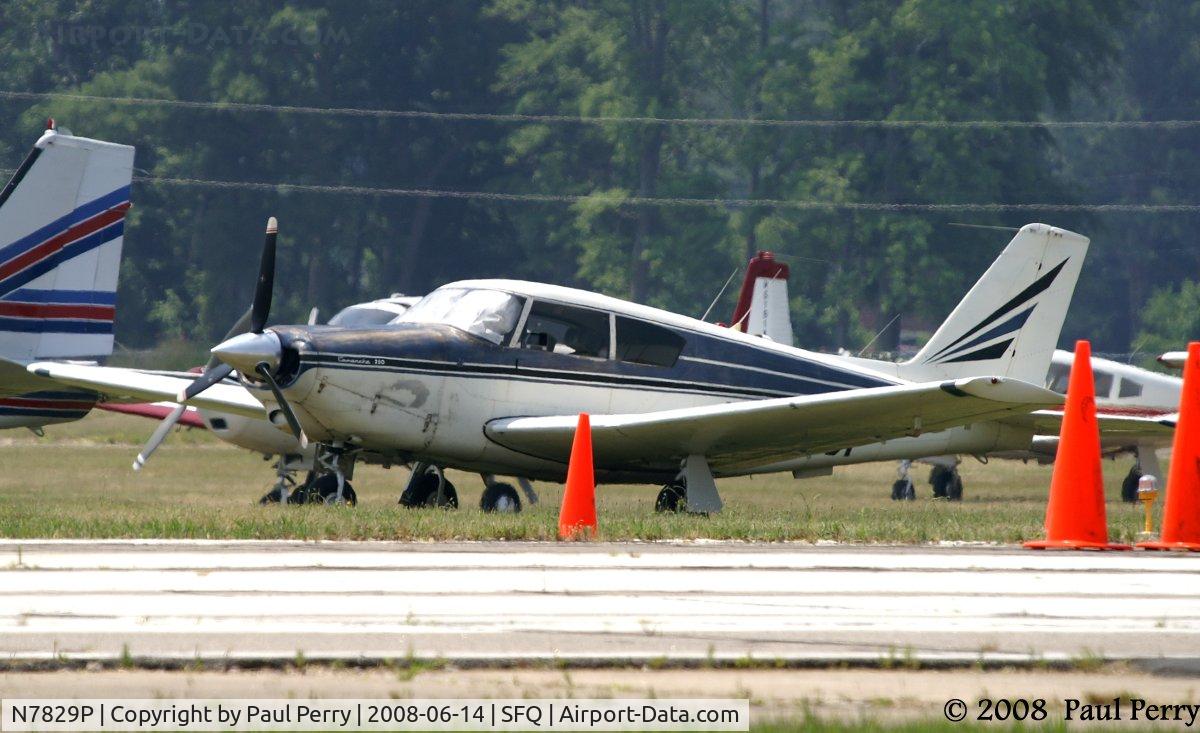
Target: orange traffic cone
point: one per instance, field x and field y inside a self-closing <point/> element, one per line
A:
<point x="577" y="518"/>
<point x="1075" y="514"/>
<point x="1181" y="513"/>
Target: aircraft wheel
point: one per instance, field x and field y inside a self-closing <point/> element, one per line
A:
<point x="323" y="490"/>
<point x="903" y="490"/>
<point x="274" y="496"/>
<point x="672" y="498"/>
<point x="423" y="492"/>
<point x="941" y="478"/>
<point x="954" y="489"/>
<point x="502" y="498"/>
<point x="1129" y="485"/>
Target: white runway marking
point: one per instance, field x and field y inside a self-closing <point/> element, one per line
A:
<point x="636" y="601"/>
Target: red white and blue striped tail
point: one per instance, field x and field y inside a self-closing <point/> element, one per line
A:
<point x="62" y="221"/>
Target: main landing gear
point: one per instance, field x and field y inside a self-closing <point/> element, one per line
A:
<point x="428" y="486"/>
<point x="1129" y="485"/>
<point x="903" y="488"/>
<point x="946" y="482"/>
<point x="692" y="490"/>
<point x="1145" y="463"/>
<point x="502" y="497"/>
<point x="672" y="497"/>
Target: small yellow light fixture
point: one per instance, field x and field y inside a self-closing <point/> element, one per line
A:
<point x="1147" y="492"/>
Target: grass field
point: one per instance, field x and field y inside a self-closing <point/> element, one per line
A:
<point x="76" y="482"/>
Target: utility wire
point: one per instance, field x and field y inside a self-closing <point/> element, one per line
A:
<point x="612" y="119"/>
<point x="714" y="203"/>
<point x="802" y="205"/>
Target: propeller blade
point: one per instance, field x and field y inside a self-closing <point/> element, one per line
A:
<point x="264" y="371"/>
<point x="158" y="436"/>
<point x="241" y="325"/>
<point x="210" y="377"/>
<point x="261" y="308"/>
<point x="313" y="315"/>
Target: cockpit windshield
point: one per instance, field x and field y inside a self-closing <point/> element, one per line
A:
<point x="489" y="314"/>
<point x="359" y="316"/>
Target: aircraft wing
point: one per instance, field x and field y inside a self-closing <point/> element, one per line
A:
<point x="1112" y="426"/>
<point x="739" y="435"/>
<point x="131" y="385"/>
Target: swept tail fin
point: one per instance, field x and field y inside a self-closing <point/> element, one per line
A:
<point x="1009" y="322"/>
<point x="62" y="219"/>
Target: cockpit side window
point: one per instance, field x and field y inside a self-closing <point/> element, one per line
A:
<point x="564" y="329"/>
<point x="1129" y="388"/>
<point x="1058" y="377"/>
<point x="646" y="343"/>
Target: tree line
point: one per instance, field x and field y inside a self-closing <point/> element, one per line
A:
<point x="861" y="273"/>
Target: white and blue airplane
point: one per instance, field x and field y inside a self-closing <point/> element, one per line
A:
<point x="62" y="224"/>
<point x="488" y="376"/>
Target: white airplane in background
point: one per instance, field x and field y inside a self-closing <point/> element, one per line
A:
<point x="62" y="224"/>
<point x="1137" y="406"/>
<point x="488" y="376"/>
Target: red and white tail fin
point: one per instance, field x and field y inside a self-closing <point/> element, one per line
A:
<point x="762" y="307"/>
<point x="62" y="218"/>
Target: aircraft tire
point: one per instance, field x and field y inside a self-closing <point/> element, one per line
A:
<point x="500" y="498"/>
<point x="940" y="478"/>
<point x="672" y="498"/>
<point x="904" y="490"/>
<point x="423" y="493"/>
<point x="954" y="489"/>
<point x="323" y="490"/>
<point x="274" y="496"/>
<point x="1129" y="486"/>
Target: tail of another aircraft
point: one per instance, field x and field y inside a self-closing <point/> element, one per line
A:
<point x="1009" y="322"/>
<point x="762" y="307"/>
<point x="62" y="219"/>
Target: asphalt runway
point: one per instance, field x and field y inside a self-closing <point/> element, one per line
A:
<point x="499" y="603"/>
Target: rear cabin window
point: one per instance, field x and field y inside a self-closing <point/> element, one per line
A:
<point x="1130" y="388"/>
<point x="564" y="329"/>
<point x="644" y="343"/>
<point x="1056" y="380"/>
<point x="1104" y="384"/>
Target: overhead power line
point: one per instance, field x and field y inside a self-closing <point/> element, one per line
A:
<point x="803" y="205"/>
<point x="612" y="119"/>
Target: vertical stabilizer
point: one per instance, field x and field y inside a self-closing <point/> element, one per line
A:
<point x="62" y="219"/>
<point x="1009" y="323"/>
<point x="762" y="307"/>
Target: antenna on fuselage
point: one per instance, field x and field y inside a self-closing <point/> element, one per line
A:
<point x="724" y="287"/>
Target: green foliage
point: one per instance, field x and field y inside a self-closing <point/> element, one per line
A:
<point x="189" y="251"/>
<point x="1171" y="318"/>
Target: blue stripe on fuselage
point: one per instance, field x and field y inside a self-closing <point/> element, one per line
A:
<point x="727" y="367"/>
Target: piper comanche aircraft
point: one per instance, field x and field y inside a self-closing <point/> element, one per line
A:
<point x="489" y="376"/>
<point x="256" y="434"/>
<point x="62" y="219"/>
